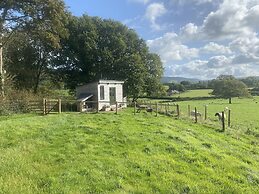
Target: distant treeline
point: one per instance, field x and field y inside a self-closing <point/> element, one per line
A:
<point x="250" y="82"/>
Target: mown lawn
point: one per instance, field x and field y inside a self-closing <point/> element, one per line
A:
<point x="108" y="153"/>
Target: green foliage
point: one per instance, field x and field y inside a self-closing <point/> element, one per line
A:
<point x="228" y="87"/>
<point x="27" y="59"/>
<point x="177" y="86"/>
<point x="16" y="102"/>
<point x="251" y="81"/>
<point x="106" y="49"/>
<point x="107" y="153"/>
<point x="46" y="18"/>
<point x="38" y="27"/>
<point x="255" y="91"/>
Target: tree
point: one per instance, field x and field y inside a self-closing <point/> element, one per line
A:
<point x="228" y="87"/>
<point x="106" y="49"/>
<point x="251" y="81"/>
<point x="155" y="69"/>
<point x="46" y="18"/>
<point x="27" y="59"/>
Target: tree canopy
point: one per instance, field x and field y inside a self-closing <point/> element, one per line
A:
<point x="50" y="44"/>
<point x="44" y="20"/>
<point x="228" y="86"/>
<point x="106" y="49"/>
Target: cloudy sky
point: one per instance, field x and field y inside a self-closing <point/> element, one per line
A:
<point x="194" y="38"/>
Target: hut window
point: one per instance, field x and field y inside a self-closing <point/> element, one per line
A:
<point x="101" y="92"/>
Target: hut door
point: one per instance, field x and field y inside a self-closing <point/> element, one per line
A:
<point x="112" y="95"/>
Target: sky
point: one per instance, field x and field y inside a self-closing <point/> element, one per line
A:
<point x="194" y="38"/>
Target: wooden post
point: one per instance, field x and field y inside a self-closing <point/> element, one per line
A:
<point x="44" y="106"/>
<point x="229" y="117"/>
<point x="178" y="110"/>
<point x="166" y="111"/>
<point x="156" y="109"/>
<point x="81" y="106"/>
<point x="116" y="107"/>
<point x="196" y="118"/>
<point x="189" y="110"/>
<point x="97" y="106"/>
<point x="206" y="111"/>
<point x="223" y="121"/>
<point x="135" y="106"/>
<point x="59" y="106"/>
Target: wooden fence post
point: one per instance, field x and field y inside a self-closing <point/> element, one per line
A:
<point x="59" y="106"/>
<point x="229" y="118"/>
<point x="44" y="106"/>
<point x="116" y="107"/>
<point x="223" y="121"/>
<point x="135" y="105"/>
<point x="81" y="106"/>
<point x="189" y="110"/>
<point x="206" y="112"/>
<point x="156" y="109"/>
<point x="97" y="105"/>
<point x="178" y="110"/>
<point x="196" y="118"/>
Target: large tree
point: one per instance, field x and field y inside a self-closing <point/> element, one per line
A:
<point x="46" y="18"/>
<point x="226" y="86"/>
<point x="106" y="49"/>
<point x="27" y="59"/>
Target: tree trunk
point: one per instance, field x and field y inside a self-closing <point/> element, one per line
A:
<point x="1" y="68"/>
<point x="230" y="100"/>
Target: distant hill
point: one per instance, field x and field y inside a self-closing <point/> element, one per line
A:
<point x="178" y="79"/>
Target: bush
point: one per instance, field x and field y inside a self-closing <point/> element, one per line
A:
<point x="17" y="102"/>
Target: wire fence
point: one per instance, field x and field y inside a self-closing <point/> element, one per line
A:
<point x="200" y="115"/>
<point x="221" y="120"/>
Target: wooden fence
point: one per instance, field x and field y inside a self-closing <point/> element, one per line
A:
<point x="177" y="111"/>
<point x="47" y="106"/>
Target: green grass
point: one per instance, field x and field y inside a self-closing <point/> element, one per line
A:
<point x="108" y="153"/>
<point x="244" y="112"/>
<point x="195" y="93"/>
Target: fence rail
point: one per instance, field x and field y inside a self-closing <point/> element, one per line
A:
<point x="47" y="106"/>
<point x="194" y="114"/>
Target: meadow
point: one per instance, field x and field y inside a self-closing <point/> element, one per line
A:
<point x="195" y="93"/>
<point x="108" y="153"/>
<point x="244" y="111"/>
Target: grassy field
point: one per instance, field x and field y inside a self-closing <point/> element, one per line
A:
<point x="244" y="112"/>
<point x="108" y="153"/>
<point x="195" y="93"/>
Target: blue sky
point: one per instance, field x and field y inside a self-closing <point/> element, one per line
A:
<point x="194" y="38"/>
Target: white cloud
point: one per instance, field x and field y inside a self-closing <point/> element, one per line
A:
<point x="189" y="31"/>
<point x="246" y="59"/>
<point x="170" y="48"/>
<point x="219" y="62"/>
<point x="198" y="2"/>
<point x="230" y="33"/>
<point x="246" y="44"/>
<point x="214" y="48"/>
<point x="199" y="69"/>
<point x="154" y="11"/>
<point x="140" y="1"/>
<point x="234" y="18"/>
